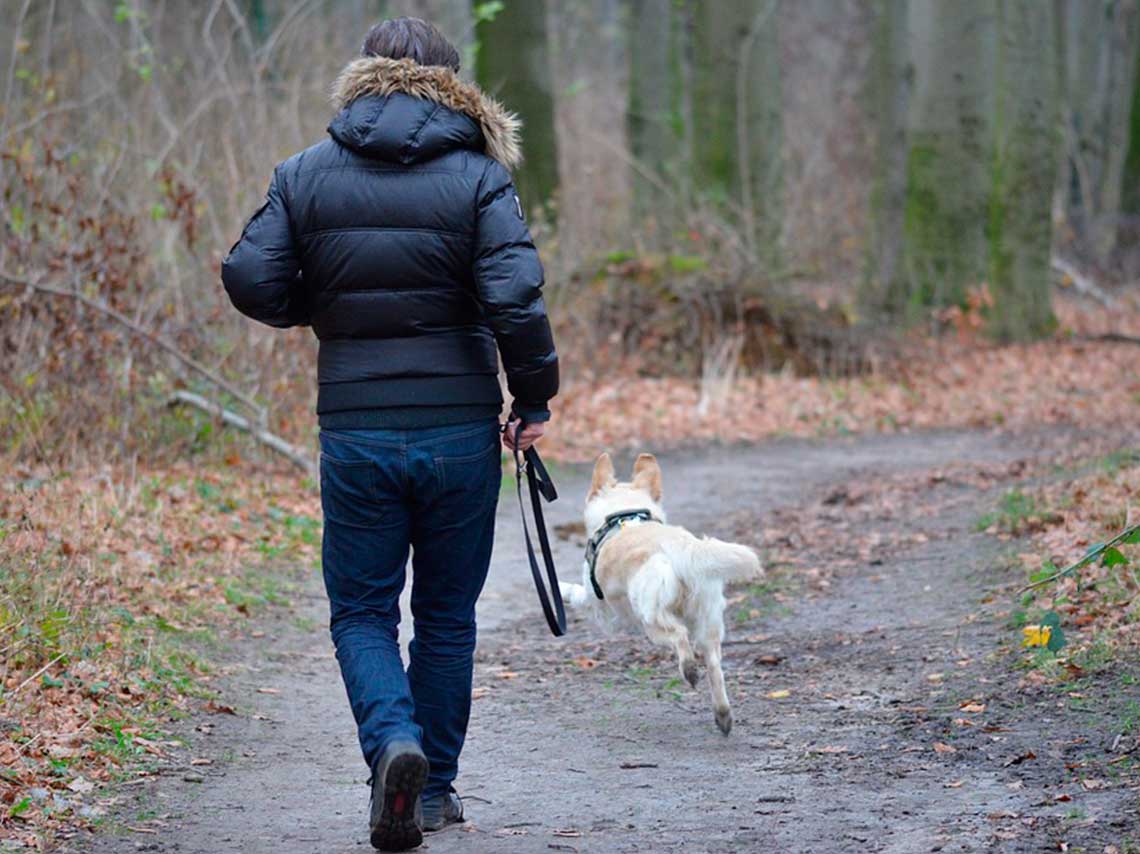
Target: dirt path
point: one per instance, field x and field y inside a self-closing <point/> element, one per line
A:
<point x="590" y="744"/>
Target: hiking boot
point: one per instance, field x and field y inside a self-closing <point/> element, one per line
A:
<point x="442" y="810"/>
<point x="396" y="819"/>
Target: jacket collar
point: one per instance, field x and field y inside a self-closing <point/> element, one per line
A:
<point x="381" y="76"/>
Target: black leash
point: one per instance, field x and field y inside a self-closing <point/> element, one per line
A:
<point x="540" y="486"/>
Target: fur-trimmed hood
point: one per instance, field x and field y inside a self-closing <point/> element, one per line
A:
<point x="381" y="76"/>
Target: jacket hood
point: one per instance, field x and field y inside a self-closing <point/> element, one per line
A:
<point x="397" y="109"/>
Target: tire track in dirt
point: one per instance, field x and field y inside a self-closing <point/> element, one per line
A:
<point x="876" y="666"/>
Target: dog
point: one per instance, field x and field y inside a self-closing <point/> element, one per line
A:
<point x="660" y="575"/>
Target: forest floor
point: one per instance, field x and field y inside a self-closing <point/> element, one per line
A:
<point x="881" y="696"/>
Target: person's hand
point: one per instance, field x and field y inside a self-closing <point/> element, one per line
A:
<point x="530" y="434"/>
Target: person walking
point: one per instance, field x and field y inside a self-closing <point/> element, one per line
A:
<point x="401" y="241"/>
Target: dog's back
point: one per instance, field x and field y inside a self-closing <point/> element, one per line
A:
<point x="670" y="581"/>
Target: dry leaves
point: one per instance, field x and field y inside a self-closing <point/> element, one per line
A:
<point x="110" y="571"/>
<point x="943" y="383"/>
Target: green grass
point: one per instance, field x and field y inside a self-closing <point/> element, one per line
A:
<point x="1013" y="509"/>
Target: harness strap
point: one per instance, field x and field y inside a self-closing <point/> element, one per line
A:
<point x="540" y="486"/>
<point x="614" y="522"/>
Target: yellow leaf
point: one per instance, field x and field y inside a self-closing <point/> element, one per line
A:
<point x="781" y="694"/>
<point x="1036" y="635"/>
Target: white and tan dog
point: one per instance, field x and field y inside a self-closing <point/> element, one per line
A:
<point x="669" y="581"/>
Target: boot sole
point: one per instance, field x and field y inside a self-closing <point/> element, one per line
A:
<point x="397" y="829"/>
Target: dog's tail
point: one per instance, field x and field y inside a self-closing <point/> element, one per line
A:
<point x="729" y="561"/>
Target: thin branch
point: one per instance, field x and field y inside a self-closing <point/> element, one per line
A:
<point x="1111" y="338"/>
<point x="1081" y="282"/>
<point x="1089" y="557"/>
<point x="61" y="107"/>
<point x="292" y="452"/>
<point x="33" y="677"/>
<point x="106" y="310"/>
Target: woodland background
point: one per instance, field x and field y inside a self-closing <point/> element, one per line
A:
<point x="718" y="188"/>
<point x="759" y="218"/>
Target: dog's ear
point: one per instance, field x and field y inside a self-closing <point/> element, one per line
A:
<point x="603" y="475"/>
<point x="647" y="475"/>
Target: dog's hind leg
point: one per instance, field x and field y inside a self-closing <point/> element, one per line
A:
<point x="710" y="651"/>
<point x="652" y="594"/>
<point x="719" y="695"/>
<point x="671" y="632"/>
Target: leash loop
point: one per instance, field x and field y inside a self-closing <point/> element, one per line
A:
<point x="540" y="487"/>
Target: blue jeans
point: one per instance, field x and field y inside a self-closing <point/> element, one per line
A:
<point x="435" y="490"/>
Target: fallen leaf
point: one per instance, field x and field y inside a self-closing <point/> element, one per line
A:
<point x="201" y="761"/>
<point x="1092" y="783"/>
<point x="780" y="694"/>
<point x="973" y="707"/>
<point x="268" y="690"/>
<point x="942" y="747"/>
<point x="957" y="784"/>
<point x="769" y="660"/>
<point x="1017" y="760"/>
<point x="585" y="662"/>
<point x="219" y="709"/>
<point x="1035" y="635"/>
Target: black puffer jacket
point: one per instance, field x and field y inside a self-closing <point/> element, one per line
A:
<point x="401" y="241"/>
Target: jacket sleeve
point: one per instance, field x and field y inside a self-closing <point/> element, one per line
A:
<point x="508" y="282"/>
<point x="262" y="272"/>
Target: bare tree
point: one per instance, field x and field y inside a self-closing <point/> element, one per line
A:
<point x="513" y="63"/>
<point x="590" y="80"/>
<point x="884" y="287"/>
<point x="1026" y="137"/>
<point x="738" y="115"/>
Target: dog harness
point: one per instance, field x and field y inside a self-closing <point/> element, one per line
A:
<point x="614" y="522"/>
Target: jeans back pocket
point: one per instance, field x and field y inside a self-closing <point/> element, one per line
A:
<point x="348" y="492"/>
<point x="469" y="483"/>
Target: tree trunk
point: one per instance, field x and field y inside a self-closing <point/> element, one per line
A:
<point x="738" y="117"/>
<point x="1100" y="71"/>
<point x="884" y="287"/>
<point x="658" y="116"/>
<point x="1130" y="192"/>
<point x="513" y="64"/>
<point x="589" y="66"/>
<point x="949" y="151"/>
<point x="1020" y="228"/>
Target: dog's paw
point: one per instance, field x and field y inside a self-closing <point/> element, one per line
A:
<point x="690" y="672"/>
<point x="724" y="720"/>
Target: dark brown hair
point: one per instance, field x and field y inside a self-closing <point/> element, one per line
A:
<point x="411" y="38"/>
